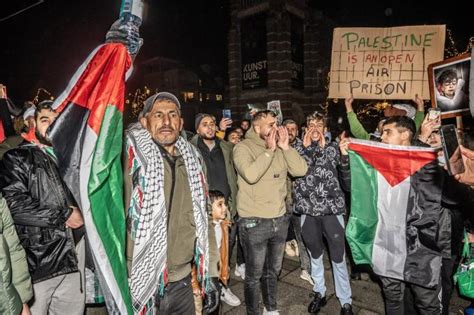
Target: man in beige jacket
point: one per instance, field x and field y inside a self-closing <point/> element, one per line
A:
<point x="263" y="161"/>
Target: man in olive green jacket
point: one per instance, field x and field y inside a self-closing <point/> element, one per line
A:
<point x="263" y="161"/>
<point x="167" y="219"/>
<point x="15" y="282"/>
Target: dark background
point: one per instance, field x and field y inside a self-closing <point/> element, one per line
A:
<point x="43" y="46"/>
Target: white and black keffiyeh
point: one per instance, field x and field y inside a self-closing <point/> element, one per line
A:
<point x="149" y="225"/>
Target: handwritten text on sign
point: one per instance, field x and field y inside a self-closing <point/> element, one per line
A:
<point x="384" y="63"/>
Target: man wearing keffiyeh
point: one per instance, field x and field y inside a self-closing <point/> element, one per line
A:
<point x="167" y="219"/>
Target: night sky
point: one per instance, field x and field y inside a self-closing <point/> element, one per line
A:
<point x="43" y="46"/>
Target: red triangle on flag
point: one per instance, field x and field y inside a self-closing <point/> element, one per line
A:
<point x="395" y="164"/>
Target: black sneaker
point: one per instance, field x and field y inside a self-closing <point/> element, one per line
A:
<point x="317" y="303"/>
<point x="356" y="276"/>
<point x="346" y="309"/>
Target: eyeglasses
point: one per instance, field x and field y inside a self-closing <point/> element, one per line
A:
<point x="452" y="82"/>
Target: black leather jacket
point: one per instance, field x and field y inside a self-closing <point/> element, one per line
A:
<point x="39" y="203"/>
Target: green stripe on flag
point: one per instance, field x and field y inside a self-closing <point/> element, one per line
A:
<point x="106" y="197"/>
<point x="362" y="225"/>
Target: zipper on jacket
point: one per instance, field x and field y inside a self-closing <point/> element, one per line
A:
<point x="172" y="163"/>
<point x="173" y="181"/>
<point x="59" y="192"/>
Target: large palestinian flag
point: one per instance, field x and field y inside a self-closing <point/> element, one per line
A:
<point x="87" y="138"/>
<point x="395" y="211"/>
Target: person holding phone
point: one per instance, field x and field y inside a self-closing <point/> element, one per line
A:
<point x="224" y="124"/>
<point x="453" y="195"/>
<point x="217" y="155"/>
<point x="400" y="131"/>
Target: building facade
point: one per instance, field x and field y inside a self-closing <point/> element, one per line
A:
<point x="278" y="50"/>
<point x="199" y="89"/>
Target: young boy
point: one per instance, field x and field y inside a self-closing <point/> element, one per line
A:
<point x="320" y="200"/>
<point x="219" y="212"/>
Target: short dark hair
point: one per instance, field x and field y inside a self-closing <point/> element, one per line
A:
<point x="228" y="132"/>
<point x="318" y="117"/>
<point x="402" y="122"/>
<point x="263" y="114"/>
<point x="288" y="121"/>
<point x="214" y="195"/>
<point x="43" y="105"/>
<point x="447" y="75"/>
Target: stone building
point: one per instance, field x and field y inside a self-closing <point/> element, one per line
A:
<point x="278" y="50"/>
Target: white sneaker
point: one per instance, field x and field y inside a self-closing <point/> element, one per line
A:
<point x="289" y="249"/>
<point x="229" y="298"/>
<point x="306" y="276"/>
<point x="270" y="312"/>
<point x="240" y="271"/>
<point x="294" y="243"/>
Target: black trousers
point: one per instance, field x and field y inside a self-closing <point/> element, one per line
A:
<point x="178" y="298"/>
<point x="426" y="301"/>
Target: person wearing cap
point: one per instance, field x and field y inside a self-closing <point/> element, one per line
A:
<point x="263" y="161"/>
<point x="167" y="221"/>
<point x="221" y="176"/>
<point x="359" y="131"/>
<point x="49" y="223"/>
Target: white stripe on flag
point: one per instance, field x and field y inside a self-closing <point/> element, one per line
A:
<point x="97" y="246"/>
<point x="389" y="251"/>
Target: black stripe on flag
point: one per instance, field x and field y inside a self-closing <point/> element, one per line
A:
<point x="67" y="136"/>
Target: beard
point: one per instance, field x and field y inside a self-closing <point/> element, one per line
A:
<point x="42" y="140"/>
<point x="206" y="137"/>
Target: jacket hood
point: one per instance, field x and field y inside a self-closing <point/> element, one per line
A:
<point x="253" y="136"/>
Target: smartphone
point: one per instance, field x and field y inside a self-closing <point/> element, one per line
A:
<point x="434" y="114"/>
<point x="226" y="113"/>
<point x="451" y="149"/>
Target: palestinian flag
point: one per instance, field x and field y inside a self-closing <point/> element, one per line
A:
<point x="87" y="139"/>
<point x="396" y="211"/>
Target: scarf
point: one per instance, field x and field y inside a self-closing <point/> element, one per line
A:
<point x="148" y="215"/>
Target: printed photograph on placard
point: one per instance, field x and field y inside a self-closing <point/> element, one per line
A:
<point x="449" y="85"/>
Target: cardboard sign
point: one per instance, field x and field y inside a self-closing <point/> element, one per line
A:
<point x="276" y="108"/>
<point x="384" y="63"/>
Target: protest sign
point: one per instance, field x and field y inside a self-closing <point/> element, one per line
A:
<point x="276" y="108"/>
<point x="384" y="63"/>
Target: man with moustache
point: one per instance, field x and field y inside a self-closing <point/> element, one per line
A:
<point x="263" y="161"/>
<point x="167" y="221"/>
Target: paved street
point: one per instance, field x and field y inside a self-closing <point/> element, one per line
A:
<point x="293" y="294"/>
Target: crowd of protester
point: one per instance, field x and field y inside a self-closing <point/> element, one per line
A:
<point x="265" y="188"/>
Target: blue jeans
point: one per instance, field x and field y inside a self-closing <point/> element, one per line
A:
<point x="330" y="227"/>
<point x="263" y="242"/>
